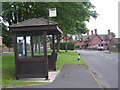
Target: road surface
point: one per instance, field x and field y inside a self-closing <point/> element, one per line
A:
<point x="104" y="66"/>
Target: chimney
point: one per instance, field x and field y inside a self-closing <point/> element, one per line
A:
<point x="92" y="32"/>
<point x="88" y="33"/>
<point x="108" y="32"/>
<point x="95" y="31"/>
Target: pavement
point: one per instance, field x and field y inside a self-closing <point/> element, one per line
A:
<point x="52" y="75"/>
<point x="104" y="66"/>
<point x="71" y="76"/>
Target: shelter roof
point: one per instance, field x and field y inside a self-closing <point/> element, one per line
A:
<point x="33" y="22"/>
<point x="36" y="26"/>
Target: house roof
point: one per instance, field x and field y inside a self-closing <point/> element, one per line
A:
<point x="88" y="38"/>
<point x="102" y="36"/>
<point x="116" y="40"/>
<point x="33" y="22"/>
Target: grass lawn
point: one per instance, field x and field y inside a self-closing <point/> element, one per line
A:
<point x="69" y="57"/>
<point x="111" y="52"/>
<point x="8" y="67"/>
<point x="115" y="52"/>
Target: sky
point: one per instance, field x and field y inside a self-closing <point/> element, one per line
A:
<point x="107" y="19"/>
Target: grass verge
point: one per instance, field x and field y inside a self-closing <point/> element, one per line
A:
<point x="69" y="57"/>
<point x="8" y="67"/>
<point x="111" y="52"/>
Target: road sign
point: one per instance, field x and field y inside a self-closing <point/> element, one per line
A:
<point x="52" y="12"/>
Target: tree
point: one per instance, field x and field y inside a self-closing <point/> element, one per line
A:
<point x="7" y="37"/>
<point x="112" y="34"/>
<point x="70" y="16"/>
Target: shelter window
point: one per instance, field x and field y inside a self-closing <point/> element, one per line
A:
<point x="25" y="48"/>
<point x="38" y="45"/>
<point x="21" y="47"/>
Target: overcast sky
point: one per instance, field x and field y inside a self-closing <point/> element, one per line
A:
<point x="108" y="16"/>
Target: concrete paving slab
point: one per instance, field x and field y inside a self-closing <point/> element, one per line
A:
<point x="52" y="75"/>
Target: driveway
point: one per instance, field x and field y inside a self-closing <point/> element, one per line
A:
<point x="71" y="76"/>
<point x="104" y="65"/>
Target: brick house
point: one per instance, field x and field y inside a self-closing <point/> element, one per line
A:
<point x="79" y="43"/>
<point x="113" y="43"/>
<point x="96" y="40"/>
<point x="64" y="39"/>
<point x="0" y="40"/>
<point x="69" y="39"/>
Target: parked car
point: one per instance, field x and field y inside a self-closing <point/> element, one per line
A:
<point x="100" y="48"/>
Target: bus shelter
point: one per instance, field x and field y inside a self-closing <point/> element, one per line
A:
<point x="27" y="62"/>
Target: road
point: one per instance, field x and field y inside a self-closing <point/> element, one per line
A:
<point x="104" y="66"/>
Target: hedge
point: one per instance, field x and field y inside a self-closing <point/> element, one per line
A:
<point x="77" y="46"/>
<point x="70" y="46"/>
<point x="118" y="45"/>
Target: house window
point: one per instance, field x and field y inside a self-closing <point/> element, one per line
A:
<point x="106" y="44"/>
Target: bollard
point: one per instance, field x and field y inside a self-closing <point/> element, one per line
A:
<point x="78" y="56"/>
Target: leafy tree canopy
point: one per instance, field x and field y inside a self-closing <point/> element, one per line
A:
<point x="112" y="34"/>
<point x="71" y="16"/>
<point x="7" y="37"/>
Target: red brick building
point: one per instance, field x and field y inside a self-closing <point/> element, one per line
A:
<point x="96" y="40"/>
<point x="79" y="43"/>
<point x="64" y="39"/>
<point x="114" y="42"/>
<point x="0" y="40"/>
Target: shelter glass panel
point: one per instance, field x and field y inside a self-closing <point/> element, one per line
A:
<point x="28" y="46"/>
<point x="21" y="47"/>
<point x="38" y="45"/>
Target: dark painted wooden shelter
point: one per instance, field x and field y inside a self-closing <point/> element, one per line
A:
<point x="27" y="64"/>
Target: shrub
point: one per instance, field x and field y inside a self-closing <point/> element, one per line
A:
<point x="52" y="46"/>
<point x="70" y="46"/>
<point x="4" y="46"/>
<point x="77" y="46"/>
<point x="62" y="46"/>
<point x="118" y="45"/>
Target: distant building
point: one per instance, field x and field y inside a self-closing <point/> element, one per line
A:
<point x="64" y="38"/>
<point x="69" y="38"/>
<point x="0" y="40"/>
<point x="96" y="40"/>
<point x="114" y="41"/>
